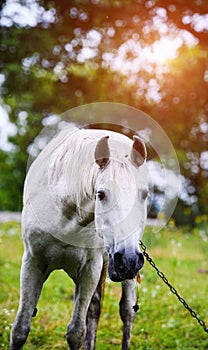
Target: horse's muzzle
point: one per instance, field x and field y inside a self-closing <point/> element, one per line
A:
<point x="124" y="266"/>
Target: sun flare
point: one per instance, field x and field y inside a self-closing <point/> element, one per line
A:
<point x="165" y="49"/>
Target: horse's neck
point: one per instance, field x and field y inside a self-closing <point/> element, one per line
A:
<point x="83" y="212"/>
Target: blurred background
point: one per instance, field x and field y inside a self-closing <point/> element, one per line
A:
<point x="151" y="55"/>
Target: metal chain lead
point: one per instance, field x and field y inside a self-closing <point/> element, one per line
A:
<point x="172" y="289"/>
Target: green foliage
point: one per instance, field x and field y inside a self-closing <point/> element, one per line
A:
<point x="11" y="182"/>
<point x="45" y="73"/>
<point x="161" y="322"/>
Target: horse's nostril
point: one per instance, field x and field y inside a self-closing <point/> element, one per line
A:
<point x="140" y="260"/>
<point x="118" y="255"/>
<point x="118" y="260"/>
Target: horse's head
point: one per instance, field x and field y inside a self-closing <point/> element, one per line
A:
<point x="120" y="204"/>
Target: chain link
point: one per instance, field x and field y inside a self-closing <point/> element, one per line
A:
<point x="172" y="289"/>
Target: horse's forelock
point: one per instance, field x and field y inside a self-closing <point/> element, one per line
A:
<point x="72" y="163"/>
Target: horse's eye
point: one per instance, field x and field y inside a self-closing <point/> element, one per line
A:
<point x="101" y="194"/>
<point x="144" y="194"/>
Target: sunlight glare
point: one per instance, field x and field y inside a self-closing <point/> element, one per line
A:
<point x="165" y="49"/>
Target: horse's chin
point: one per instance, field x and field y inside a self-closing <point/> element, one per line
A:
<point x="115" y="278"/>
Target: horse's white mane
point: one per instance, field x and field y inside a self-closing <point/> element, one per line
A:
<point x="73" y="168"/>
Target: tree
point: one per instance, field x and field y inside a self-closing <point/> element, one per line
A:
<point x="148" y="54"/>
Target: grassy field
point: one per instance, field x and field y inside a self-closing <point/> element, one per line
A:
<point x="161" y="323"/>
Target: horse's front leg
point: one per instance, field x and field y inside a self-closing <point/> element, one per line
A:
<point x="85" y="287"/>
<point x="126" y="311"/>
<point x="93" y="313"/>
<point x="31" y="281"/>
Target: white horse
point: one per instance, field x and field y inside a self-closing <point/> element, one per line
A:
<point x="84" y="208"/>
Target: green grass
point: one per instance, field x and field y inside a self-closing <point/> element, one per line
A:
<point x="161" y="323"/>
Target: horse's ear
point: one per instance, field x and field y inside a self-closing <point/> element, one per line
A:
<point x="102" y="152"/>
<point x="138" y="152"/>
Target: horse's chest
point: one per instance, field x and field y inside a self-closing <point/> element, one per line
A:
<point x="64" y="257"/>
<point x="55" y="255"/>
